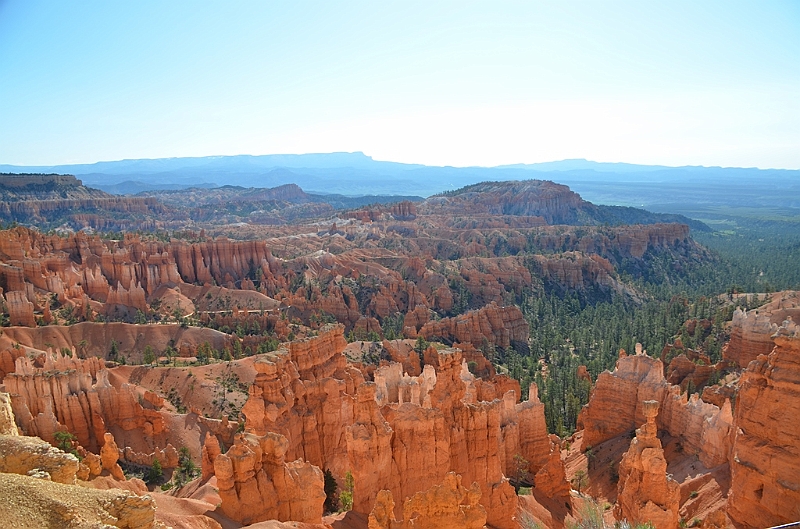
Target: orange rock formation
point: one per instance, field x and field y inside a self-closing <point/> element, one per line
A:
<point x="615" y="407"/>
<point x="765" y="487"/>
<point x="446" y="506"/>
<point x="646" y="493"/>
<point x="256" y="483"/>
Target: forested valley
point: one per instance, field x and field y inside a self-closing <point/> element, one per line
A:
<point x="570" y="329"/>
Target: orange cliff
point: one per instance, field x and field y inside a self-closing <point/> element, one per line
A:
<point x="751" y="331"/>
<point x="446" y="506"/>
<point x="615" y="407"/>
<point x="305" y="392"/>
<point x="122" y="274"/>
<point x="403" y="434"/>
<point x="408" y="432"/>
<point x="500" y="326"/>
<point x="256" y="483"/>
<point x="70" y="394"/>
<point x="765" y="465"/>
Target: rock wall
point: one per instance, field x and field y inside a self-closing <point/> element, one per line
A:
<point x="446" y="506"/>
<point x="750" y="337"/>
<point x="765" y="467"/>
<point x="409" y="445"/>
<point x="26" y="455"/>
<point x="615" y="407"/>
<point x="751" y="331"/>
<point x="306" y="393"/>
<point x="7" y="424"/>
<point x="500" y="326"/>
<point x="70" y="394"/>
<point x="615" y="403"/>
<point x="20" y="310"/>
<point x="256" y="483"/>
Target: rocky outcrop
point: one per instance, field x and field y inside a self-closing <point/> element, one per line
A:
<point x="446" y="506"/>
<point x="646" y="493"/>
<point x="7" y="424"/>
<point x="256" y="483"/>
<point x="369" y="449"/>
<point x="702" y="428"/>
<point x="167" y="456"/>
<point x="751" y="336"/>
<point x="305" y="392"/>
<point x="576" y="271"/>
<point x="24" y="455"/>
<point x="211" y="449"/>
<point x="30" y="502"/>
<point x="20" y="310"/>
<point x="524" y="438"/>
<point x="67" y="393"/>
<point x="500" y="326"/>
<point x="752" y="330"/>
<point x="615" y="403"/>
<point x="409" y="446"/>
<point x="553" y="202"/>
<point x="765" y="488"/>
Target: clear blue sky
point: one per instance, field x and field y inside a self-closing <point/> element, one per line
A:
<point x="443" y="83"/>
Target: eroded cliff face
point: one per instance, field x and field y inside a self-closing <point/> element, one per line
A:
<point x="115" y="278"/>
<point x="446" y="506"/>
<point x="306" y="392"/>
<point x="256" y="483"/>
<point x="502" y="326"/>
<point x="401" y="433"/>
<point x="615" y="407"/>
<point x="765" y="488"/>
<point x="70" y="394"/>
<point x="7" y="424"/>
<point x="615" y="403"/>
<point x="434" y="424"/>
<point x="31" y="455"/>
<point x="751" y="331"/>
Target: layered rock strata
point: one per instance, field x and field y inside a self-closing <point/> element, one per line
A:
<point x="67" y="393"/>
<point x="752" y="330"/>
<point x="765" y="474"/>
<point x="446" y="506"/>
<point x="477" y="439"/>
<point x="615" y="407"/>
<point x="7" y="424"/>
<point x="306" y="393"/>
<point x="501" y="326"/>
<point x="256" y="483"/>
<point x="26" y="455"/>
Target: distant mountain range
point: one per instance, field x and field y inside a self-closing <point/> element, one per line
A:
<point x="688" y="190"/>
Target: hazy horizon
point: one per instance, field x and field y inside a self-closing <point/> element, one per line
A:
<point x="498" y="166"/>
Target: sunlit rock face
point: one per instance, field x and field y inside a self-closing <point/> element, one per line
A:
<point x="765" y="463"/>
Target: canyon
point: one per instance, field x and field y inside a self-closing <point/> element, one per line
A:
<point x="344" y="373"/>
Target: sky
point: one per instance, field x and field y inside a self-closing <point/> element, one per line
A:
<point x="440" y="83"/>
